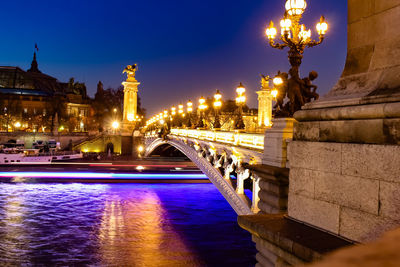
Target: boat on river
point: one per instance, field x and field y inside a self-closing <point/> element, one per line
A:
<point x="33" y="156"/>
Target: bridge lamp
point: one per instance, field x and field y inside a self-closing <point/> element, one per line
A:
<point x="240" y="101"/>
<point x="241" y="98"/>
<point x="202" y="107"/>
<point x="217" y="106"/>
<point x="295" y="35"/>
<point x="189" y="106"/>
<point x="189" y="109"/>
<point x="277" y="81"/>
<point x="180" y="110"/>
<point x="173" y="110"/>
<point x="295" y="7"/>
<point x="202" y="102"/>
<point x="322" y="26"/>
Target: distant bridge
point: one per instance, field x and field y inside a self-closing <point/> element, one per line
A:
<point x="224" y="157"/>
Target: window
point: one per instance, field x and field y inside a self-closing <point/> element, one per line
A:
<point x="25" y="110"/>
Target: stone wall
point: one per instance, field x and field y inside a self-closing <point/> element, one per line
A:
<point x="345" y="154"/>
<point x="373" y="52"/>
<point x="352" y="190"/>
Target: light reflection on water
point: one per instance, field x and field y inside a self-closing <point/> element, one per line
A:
<point x="119" y="225"/>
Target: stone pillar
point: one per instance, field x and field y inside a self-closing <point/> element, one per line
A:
<point x="130" y="100"/>
<point x="275" y="142"/>
<point x="264" y="107"/>
<point x="130" y="105"/>
<point x="255" y="197"/>
<point x="130" y="110"/>
<point x="345" y="154"/>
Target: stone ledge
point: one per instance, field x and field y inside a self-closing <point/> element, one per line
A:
<point x="273" y="174"/>
<point x="359" y="112"/>
<point x="302" y="241"/>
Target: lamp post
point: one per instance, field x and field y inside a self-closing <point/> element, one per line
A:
<point x="181" y="115"/>
<point x="217" y="106"/>
<point x="294" y="35"/>
<point x="189" y="111"/>
<point x="173" y="113"/>
<point x="240" y="101"/>
<point x="202" y="107"/>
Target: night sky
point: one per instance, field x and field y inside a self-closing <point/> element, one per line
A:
<point x="184" y="49"/>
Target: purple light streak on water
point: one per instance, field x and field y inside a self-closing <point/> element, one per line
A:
<point x="98" y="175"/>
<point x="119" y="225"/>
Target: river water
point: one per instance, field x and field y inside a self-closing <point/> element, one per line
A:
<point x="119" y="225"/>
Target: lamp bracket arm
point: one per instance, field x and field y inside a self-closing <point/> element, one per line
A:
<point x="277" y="45"/>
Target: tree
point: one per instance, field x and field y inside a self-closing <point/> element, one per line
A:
<point x="10" y="109"/>
<point x="58" y="106"/>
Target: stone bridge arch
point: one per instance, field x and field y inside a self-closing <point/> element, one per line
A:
<point x="218" y="167"/>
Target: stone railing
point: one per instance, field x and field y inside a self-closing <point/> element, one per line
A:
<point x="247" y="140"/>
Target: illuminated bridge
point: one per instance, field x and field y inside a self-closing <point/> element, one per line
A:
<point x="233" y="163"/>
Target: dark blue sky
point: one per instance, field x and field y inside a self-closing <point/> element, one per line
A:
<point x="184" y="48"/>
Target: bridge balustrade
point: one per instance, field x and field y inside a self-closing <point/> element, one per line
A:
<point x="248" y="140"/>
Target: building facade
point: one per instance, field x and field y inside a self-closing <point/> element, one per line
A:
<point x="32" y="101"/>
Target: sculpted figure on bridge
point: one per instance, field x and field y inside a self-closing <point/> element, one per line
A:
<point x="298" y="91"/>
<point x="130" y="70"/>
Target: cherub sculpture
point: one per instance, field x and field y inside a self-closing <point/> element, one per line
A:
<point x="307" y="86"/>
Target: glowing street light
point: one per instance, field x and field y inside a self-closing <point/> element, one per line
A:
<point x="202" y="107"/>
<point x="295" y="35"/>
<point x="217" y="105"/>
<point x="189" y="109"/>
<point x="115" y="125"/>
<point x="240" y="101"/>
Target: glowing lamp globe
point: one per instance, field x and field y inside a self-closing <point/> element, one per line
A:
<point x="115" y="125"/>
<point x="322" y="26"/>
<point x="240" y="89"/>
<point x="295" y="7"/>
<point x="271" y="31"/>
<point x="277" y="81"/>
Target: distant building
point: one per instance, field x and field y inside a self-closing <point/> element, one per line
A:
<point x="29" y="101"/>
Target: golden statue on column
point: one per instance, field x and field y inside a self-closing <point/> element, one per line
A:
<point x="130" y="99"/>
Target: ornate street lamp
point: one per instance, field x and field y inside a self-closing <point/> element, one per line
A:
<point x="202" y="107"/>
<point x="181" y="114"/>
<point x="240" y="101"/>
<point x="296" y="37"/>
<point x="173" y="113"/>
<point x="217" y="106"/>
<point x="189" y="111"/>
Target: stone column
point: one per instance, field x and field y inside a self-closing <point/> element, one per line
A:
<point x="345" y="154"/>
<point x="130" y="139"/>
<point x="264" y="107"/>
<point x="130" y="105"/>
<point x="275" y="142"/>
